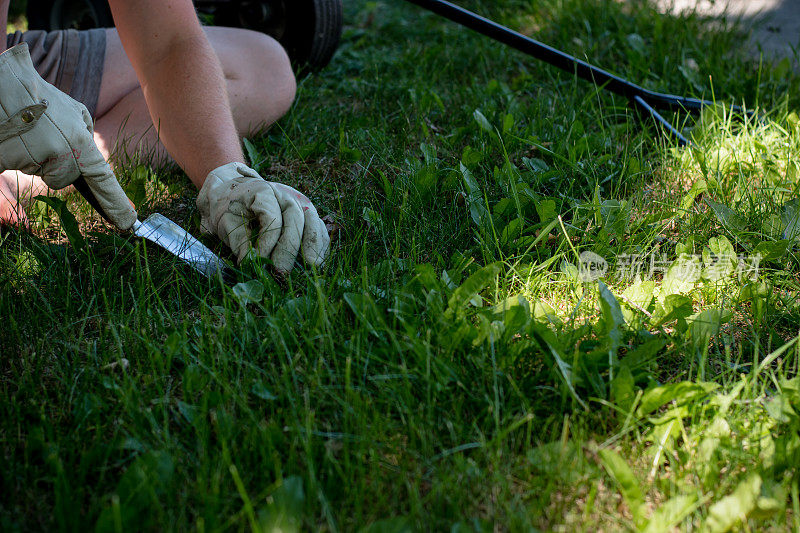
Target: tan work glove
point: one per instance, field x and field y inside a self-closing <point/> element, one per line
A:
<point x="46" y="133"/>
<point x="234" y="199"/>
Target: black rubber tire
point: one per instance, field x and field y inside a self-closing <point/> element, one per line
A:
<point x="313" y="30"/>
<point x="309" y="30"/>
<point x="68" y="14"/>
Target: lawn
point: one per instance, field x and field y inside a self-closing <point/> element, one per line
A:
<point x="452" y="367"/>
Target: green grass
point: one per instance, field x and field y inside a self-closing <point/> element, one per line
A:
<point x="16" y="16"/>
<point x="448" y="369"/>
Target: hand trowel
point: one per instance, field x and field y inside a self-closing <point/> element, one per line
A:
<point x="170" y="236"/>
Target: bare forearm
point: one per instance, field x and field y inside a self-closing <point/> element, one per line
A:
<point x="186" y="95"/>
<point x="182" y="80"/>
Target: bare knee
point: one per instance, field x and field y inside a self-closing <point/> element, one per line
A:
<point x="280" y="70"/>
<point x="261" y="83"/>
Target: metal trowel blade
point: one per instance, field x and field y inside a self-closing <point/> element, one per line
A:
<point x="159" y="229"/>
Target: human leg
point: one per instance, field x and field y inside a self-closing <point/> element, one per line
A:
<point x="260" y="82"/>
<point x="261" y="88"/>
<point x="10" y="209"/>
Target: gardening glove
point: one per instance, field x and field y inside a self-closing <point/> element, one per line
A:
<point x="46" y="133"/>
<point x="234" y="199"/>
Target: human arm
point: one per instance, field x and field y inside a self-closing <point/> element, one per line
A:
<point x="182" y="81"/>
<point x="46" y="133"/>
<point x="186" y="95"/>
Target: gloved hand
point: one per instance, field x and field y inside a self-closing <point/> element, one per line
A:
<point x="46" y="133"/>
<point x="234" y="199"/>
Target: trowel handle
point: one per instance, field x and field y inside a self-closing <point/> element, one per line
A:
<point x="82" y="187"/>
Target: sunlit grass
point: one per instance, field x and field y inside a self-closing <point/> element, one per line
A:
<point x="450" y="368"/>
<point x="19" y="23"/>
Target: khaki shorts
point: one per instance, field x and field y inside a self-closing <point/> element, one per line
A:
<point x="69" y="59"/>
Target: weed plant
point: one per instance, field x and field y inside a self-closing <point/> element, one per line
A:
<point x="455" y="365"/>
